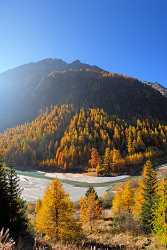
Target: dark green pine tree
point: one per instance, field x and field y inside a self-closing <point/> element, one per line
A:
<point x="12" y="207"/>
<point x="17" y="207"/>
<point x="149" y="193"/>
<point x="91" y="190"/>
<point x="160" y="212"/>
<point x="4" y="199"/>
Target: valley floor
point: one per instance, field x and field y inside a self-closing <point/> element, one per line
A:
<point x="34" y="184"/>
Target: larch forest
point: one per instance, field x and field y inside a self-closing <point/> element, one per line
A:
<point x="94" y="140"/>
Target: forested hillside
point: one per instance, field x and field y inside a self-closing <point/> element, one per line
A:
<point x="62" y="138"/>
<point x="32" y="142"/>
<point x="28" y="88"/>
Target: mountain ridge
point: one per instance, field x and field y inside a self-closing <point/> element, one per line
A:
<point x="25" y="89"/>
<point x="159" y="87"/>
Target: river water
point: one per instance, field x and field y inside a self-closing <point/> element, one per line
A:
<point x="34" y="184"/>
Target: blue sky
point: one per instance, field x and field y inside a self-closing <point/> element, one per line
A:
<point x="126" y="36"/>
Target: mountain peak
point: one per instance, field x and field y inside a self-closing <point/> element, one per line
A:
<point x="52" y="61"/>
<point x="77" y="64"/>
<point x="77" y="61"/>
<point x="29" y="87"/>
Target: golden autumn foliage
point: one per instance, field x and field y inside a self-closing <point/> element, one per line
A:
<point x="55" y="217"/>
<point x="64" y="138"/>
<point x="30" y="143"/>
<point x="38" y="205"/>
<point x="117" y="204"/>
<point x="93" y="138"/>
<point x="138" y="200"/>
<point x="123" y="199"/>
<point x="145" y="201"/>
<point x="129" y="199"/>
<point x="95" y="158"/>
<point x="90" y="209"/>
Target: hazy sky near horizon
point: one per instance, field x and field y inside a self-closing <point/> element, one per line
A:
<point x="124" y="36"/>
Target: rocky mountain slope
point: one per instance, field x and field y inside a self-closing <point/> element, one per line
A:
<point x="26" y="89"/>
<point x="159" y="88"/>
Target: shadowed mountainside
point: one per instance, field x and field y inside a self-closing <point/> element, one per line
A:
<point x="27" y="88"/>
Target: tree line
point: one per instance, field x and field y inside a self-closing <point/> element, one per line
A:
<point x="90" y="139"/>
<point x="145" y="201"/>
<point x="142" y="201"/>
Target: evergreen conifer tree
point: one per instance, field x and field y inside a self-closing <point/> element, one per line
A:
<point x="149" y="195"/>
<point x="12" y="207"/>
<point x="160" y="213"/>
<point x="17" y="207"/>
<point x="4" y="199"/>
<point x="91" y="190"/>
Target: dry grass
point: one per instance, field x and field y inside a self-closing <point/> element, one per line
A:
<point x="6" y="243"/>
<point x="103" y="232"/>
<point x="124" y="233"/>
<point x="66" y="247"/>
